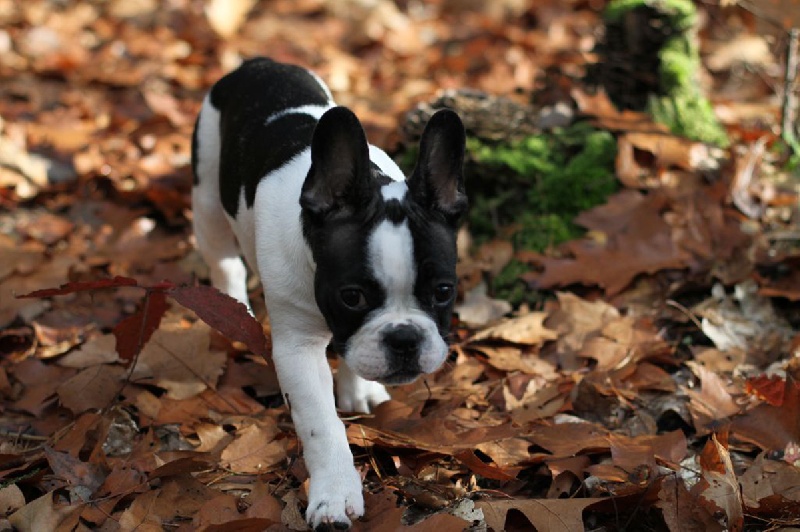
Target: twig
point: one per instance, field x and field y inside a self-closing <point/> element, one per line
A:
<point x="789" y="107"/>
<point x="22" y="436"/>
<point x="688" y="313"/>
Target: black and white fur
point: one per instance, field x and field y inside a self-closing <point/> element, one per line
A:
<point x="350" y="253"/>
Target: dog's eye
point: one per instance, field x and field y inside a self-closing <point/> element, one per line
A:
<point x="443" y="293"/>
<point x="353" y="298"/>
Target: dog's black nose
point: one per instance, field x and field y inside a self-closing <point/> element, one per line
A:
<point x="403" y="340"/>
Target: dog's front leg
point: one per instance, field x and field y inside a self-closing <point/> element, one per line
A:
<point x="306" y="382"/>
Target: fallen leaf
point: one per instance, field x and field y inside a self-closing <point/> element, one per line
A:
<point x="41" y="514"/>
<point x="547" y="515"/>
<point x="11" y="499"/>
<point x="510" y="359"/>
<point x="645" y="245"/>
<point x="139" y="516"/>
<point x="766" y="480"/>
<point x="527" y="329"/>
<point x="254" y="448"/>
<point x="771" y="427"/>
<point x="220" y="509"/>
<point x="263" y="504"/>
<point x="712" y="402"/>
<point x="95" y="387"/>
<point x="178" y="359"/>
<point x="680" y="509"/>
<point x="95" y="351"/>
<point x="575" y="320"/>
<point x="478" y="309"/>
<point x="718" y="488"/>
<point x="227" y="16"/>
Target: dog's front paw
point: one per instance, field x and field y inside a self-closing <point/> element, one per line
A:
<point x="333" y="500"/>
<point x="359" y="395"/>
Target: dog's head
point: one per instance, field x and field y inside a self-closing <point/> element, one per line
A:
<point x="385" y="250"/>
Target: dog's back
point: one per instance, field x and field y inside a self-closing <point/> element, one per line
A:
<point x="264" y="113"/>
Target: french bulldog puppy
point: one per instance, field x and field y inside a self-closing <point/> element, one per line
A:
<point x="350" y="253"/>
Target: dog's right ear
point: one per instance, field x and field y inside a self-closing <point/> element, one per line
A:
<point x="437" y="182"/>
<point x="339" y="177"/>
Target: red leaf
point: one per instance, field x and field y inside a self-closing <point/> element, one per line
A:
<point x="225" y="314"/>
<point x="71" y="288"/>
<point x="770" y="389"/>
<point x="135" y="330"/>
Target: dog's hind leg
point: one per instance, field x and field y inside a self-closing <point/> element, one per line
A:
<point x="216" y="240"/>
<point x="217" y="244"/>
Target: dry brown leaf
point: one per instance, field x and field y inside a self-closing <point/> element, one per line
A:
<point x="178" y="359"/>
<point x="478" y="309"/>
<point x="569" y="439"/>
<point x="771" y="427"/>
<point x="547" y="515"/>
<point x="718" y="488"/>
<point x="512" y="359"/>
<point x="575" y="320"/>
<point x="41" y="514"/>
<point x="254" y="448"/>
<point x="11" y="499"/>
<point x="637" y="240"/>
<point x="769" y="479"/>
<point x="680" y="509"/>
<point x="227" y="16"/>
<point x="213" y="438"/>
<point x="97" y="350"/>
<point x="181" y="497"/>
<point x="138" y="516"/>
<point x="527" y="329"/>
<point x="263" y="504"/>
<point x="494" y="255"/>
<point x="508" y="453"/>
<point x="220" y="509"/>
<point x="40" y="382"/>
<point x="94" y="387"/>
<point x="712" y="402"/>
<point x="537" y="402"/>
<point x="625" y="341"/>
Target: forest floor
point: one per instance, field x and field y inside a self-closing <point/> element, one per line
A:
<point x="652" y="383"/>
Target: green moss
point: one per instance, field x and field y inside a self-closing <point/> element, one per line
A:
<point x="508" y="285"/>
<point x="681" y="106"/>
<point x="689" y="116"/>
<point x="682" y="13"/>
<point x="537" y="185"/>
<point x="679" y="103"/>
<point x="531" y="190"/>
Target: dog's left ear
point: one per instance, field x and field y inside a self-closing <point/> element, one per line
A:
<point x="438" y="180"/>
<point x="339" y="176"/>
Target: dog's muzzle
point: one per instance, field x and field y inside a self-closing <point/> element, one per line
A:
<point x="402" y="343"/>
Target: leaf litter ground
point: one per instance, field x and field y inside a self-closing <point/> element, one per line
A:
<point x="655" y="386"/>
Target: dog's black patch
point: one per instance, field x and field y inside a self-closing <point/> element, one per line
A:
<point x="394" y="211"/>
<point x="255" y="151"/>
<point x="252" y="144"/>
<point x="435" y="255"/>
